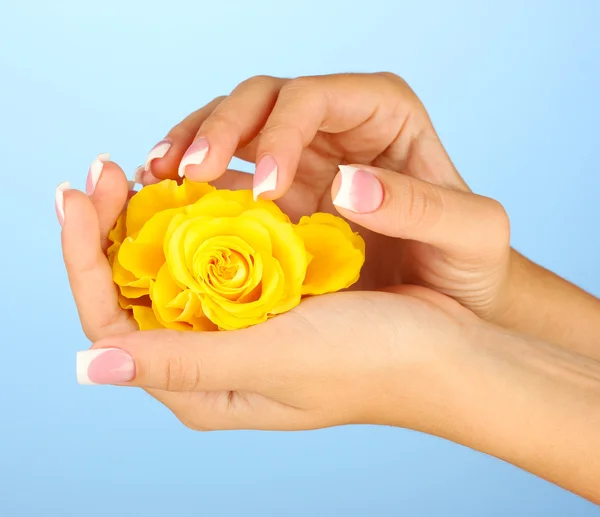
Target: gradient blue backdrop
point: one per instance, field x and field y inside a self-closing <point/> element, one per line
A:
<point x="512" y="87"/>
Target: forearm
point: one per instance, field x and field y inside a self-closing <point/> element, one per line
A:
<point x="534" y="405"/>
<point x="543" y="305"/>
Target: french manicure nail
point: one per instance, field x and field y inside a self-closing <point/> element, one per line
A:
<point x="94" y="173"/>
<point x="59" y="201"/>
<point x="194" y="155"/>
<point x="158" y="151"/>
<point x="265" y="176"/>
<point x="360" y="190"/>
<point x="104" y="366"/>
<point x="137" y="175"/>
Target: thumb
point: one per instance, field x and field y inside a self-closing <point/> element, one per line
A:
<point x="393" y="204"/>
<point x="180" y="361"/>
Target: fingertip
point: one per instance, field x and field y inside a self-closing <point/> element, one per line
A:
<point x="357" y="189"/>
<point x="158" y="152"/>
<point x="147" y="178"/>
<point x="266" y="178"/>
<point x="59" y="201"/>
<point x="104" y="366"/>
<point x="81" y="230"/>
<point x="138" y="175"/>
<point x="163" y="160"/>
<point x="112" y="179"/>
<point x="95" y="172"/>
<point x="193" y="158"/>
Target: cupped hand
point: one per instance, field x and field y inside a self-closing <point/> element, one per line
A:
<point x="353" y="357"/>
<point x="420" y="222"/>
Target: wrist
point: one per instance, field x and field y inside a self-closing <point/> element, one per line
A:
<point x="428" y="396"/>
<point x="538" y="303"/>
<point x="514" y="306"/>
<point x="532" y="404"/>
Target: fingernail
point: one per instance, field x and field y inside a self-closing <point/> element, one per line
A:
<point x="158" y="151"/>
<point x="59" y="201"/>
<point x="149" y="179"/>
<point x="130" y="185"/>
<point x="137" y="175"/>
<point x="360" y="191"/>
<point x="104" y="366"/>
<point x="194" y="155"/>
<point x="265" y="176"/>
<point x="94" y="173"/>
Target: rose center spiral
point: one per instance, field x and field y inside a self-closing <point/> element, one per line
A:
<point x="227" y="268"/>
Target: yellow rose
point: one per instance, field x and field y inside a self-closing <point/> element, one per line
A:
<point x="190" y="257"/>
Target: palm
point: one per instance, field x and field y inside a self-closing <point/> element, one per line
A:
<point x="328" y="324"/>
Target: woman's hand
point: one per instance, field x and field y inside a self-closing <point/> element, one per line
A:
<point x="421" y="223"/>
<point x="355" y="357"/>
<point x="347" y="358"/>
<point x="410" y="358"/>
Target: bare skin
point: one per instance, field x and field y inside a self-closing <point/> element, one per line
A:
<point x="441" y="356"/>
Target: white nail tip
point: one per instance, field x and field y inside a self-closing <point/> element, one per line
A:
<point x="266" y="185"/>
<point x="84" y="359"/>
<point x="195" y="158"/>
<point x="137" y="175"/>
<point x="158" y="152"/>
<point x="96" y="168"/>
<point x="343" y="199"/>
<point x="59" y="198"/>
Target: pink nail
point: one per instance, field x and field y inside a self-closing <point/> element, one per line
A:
<point x="194" y="155"/>
<point x="59" y="201"/>
<point x="94" y="173"/>
<point x="104" y="366"/>
<point x="265" y="176"/>
<point x="158" y="151"/>
<point x="360" y="191"/>
<point x="138" y="174"/>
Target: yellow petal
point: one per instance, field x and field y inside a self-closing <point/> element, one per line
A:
<point x="129" y="303"/>
<point x="143" y="254"/>
<point x="222" y="203"/>
<point x="189" y="235"/>
<point x="290" y="251"/>
<point x="130" y="286"/>
<point x="338" y="253"/>
<point x="174" y="307"/>
<point x="164" y="195"/>
<point x="145" y="318"/>
<point x="115" y="237"/>
<point x="231" y="315"/>
<point x="242" y="262"/>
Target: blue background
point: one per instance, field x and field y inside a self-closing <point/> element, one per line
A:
<point x="512" y="87"/>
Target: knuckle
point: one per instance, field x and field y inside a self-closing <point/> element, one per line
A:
<point x="179" y="373"/>
<point x="188" y="126"/>
<point x="401" y="87"/>
<point x="390" y="76"/>
<point x="498" y="222"/>
<point x="258" y="81"/>
<point x="300" y="85"/>
<point x="278" y="130"/>
<point x="393" y="79"/>
<point x="419" y="205"/>
<point x="223" y="118"/>
<point x="113" y="323"/>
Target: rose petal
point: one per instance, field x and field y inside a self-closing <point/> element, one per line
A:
<point x="338" y="253"/>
